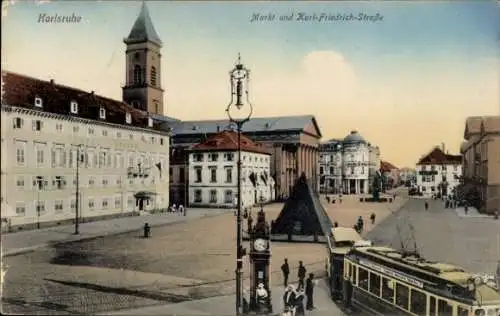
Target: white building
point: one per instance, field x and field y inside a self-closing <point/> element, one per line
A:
<point x="438" y="172"/>
<point x="124" y="154"/>
<point x="348" y="165"/>
<point x="213" y="172"/>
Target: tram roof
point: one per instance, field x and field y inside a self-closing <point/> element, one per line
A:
<point x="341" y="234"/>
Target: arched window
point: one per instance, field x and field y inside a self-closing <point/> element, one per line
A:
<point x="153" y="76"/>
<point x="137" y="74"/>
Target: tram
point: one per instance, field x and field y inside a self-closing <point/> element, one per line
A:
<point x="398" y="283"/>
<point x="339" y="242"/>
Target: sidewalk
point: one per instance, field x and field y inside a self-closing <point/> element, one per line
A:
<point x="27" y="241"/>
<point x="225" y="305"/>
<point x="472" y="212"/>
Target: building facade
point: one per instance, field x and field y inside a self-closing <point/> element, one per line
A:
<point x="123" y="154"/>
<point x="481" y="160"/>
<point x="390" y="174"/>
<point x="213" y="172"/>
<point x="349" y="165"/>
<point x="438" y="173"/>
<point x="407" y="176"/>
<point x="293" y="142"/>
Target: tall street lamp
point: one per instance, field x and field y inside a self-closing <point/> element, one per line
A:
<point x="239" y="114"/>
<point x="79" y="158"/>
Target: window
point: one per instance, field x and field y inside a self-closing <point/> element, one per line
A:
<point x="214" y="157"/>
<point x="59" y="128"/>
<point x="157" y="107"/>
<point x="198" y="157"/>
<point x="91" y="131"/>
<point x="118" y="202"/>
<point x="118" y="160"/>
<point x="38" y="102"/>
<point x="40" y="207"/>
<point x="229" y="157"/>
<point x="228" y="196"/>
<point x="432" y="305"/>
<point x="181" y="175"/>
<point x="58" y="182"/>
<point x="444" y="308"/>
<point x="118" y="135"/>
<point x="91" y="204"/>
<point x="229" y="175"/>
<point x="40" y="156"/>
<point x="352" y="170"/>
<point x="418" y="302"/>
<point x="402" y="295"/>
<point x="91" y="182"/>
<point x="354" y="274"/>
<point x="363" y="279"/>
<point x="104" y="133"/>
<point x="74" y="107"/>
<point x="104" y="182"/>
<point x="321" y="170"/>
<point x="213" y="196"/>
<point x="161" y="141"/>
<point x="128" y="120"/>
<point x="197" y="175"/>
<point x="213" y="174"/>
<point x="20" y="182"/>
<point x="130" y="201"/>
<point x="102" y="113"/>
<point x="153" y="76"/>
<point x="37" y="125"/>
<point x="119" y="181"/>
<point x="20" y="210"/>
<point x="388" y="290"/>
<point x="331" y="170"/>
<point x="18" y="122"/>
<point x="73" y="205"/>
<point x="197" y="196"/>
<point x="105" y="203"/>
<point x="75" y="129"/>
<point x="137" y="74"/>
<point x="462" y="311"/>
<point x="375" y="284"/>
<point x="20" y="153"/>
<point x="58" y="206"/>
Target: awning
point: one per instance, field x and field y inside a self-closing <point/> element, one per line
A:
<point x="145" y="195"/>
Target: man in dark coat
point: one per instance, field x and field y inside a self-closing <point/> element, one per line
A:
<point x="309" y="292"/>
<point x="289" y="297"/>
<point x="286" y="271"/>
<point x="301" y="274"/>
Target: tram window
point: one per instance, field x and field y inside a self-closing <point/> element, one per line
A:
<point x="388" y="290"/>
<point x="418" y="302"/>
<point x="402" y="295"/>
<point x="354" y="281"/>
<point x="363" y="279"/>
<point x="432" y="306"/>
<point x="375" y="283"/>
<point x="444" y="309"/>
<point x="462" y="311"/>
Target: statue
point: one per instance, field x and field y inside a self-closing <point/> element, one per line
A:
<point x="261" y="227"/>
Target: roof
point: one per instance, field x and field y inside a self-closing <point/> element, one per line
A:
<point x="143" y="29"/>
<point x="387" y="166"/>
<point x="228" y="140"/>
<point x="341" y="234"/>
<point x="21" y="91"/>
<point x="257" y="124"/>
<point x="472" y="126"/>
<point x="354" y="137"/>
<point x="438" y="157"/>
<point x="491" y="124"/>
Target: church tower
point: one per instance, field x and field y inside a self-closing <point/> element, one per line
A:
<point x="142" y="87"/>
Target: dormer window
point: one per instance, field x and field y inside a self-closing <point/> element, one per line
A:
<point x="150" y="122"/>
<point x="128" y="118"/>
<point x="102" y="113"/>
<point x="74" y="107"/>
<point x="38" y="102"/>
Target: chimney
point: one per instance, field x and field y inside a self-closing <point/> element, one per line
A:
<point x="52" y="82"/>
<point x="218" y="128"/>
<point x="92" y="92"/>
<point x="442" y="147"/>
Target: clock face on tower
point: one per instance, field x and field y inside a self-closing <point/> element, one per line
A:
<point x="260" y="244"/>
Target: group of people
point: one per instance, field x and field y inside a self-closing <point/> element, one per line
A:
<point x="181" y="210"/>
<point x="293" y="299"/>
<point x="331" y="199"/>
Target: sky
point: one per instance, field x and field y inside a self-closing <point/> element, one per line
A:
<point x="405" y="80"/>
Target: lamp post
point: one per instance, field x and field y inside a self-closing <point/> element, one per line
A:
<point x="77" y="197"/>
<point x="239" y="114"/>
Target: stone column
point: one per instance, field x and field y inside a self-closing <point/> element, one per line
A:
<point x="298" y="156"/>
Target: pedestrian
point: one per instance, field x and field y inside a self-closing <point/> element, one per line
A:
<point x="360" y="223"/>
<point x="372" y="217"/>
<point x="335" y="224"/>
<point x="285" y="268"/>
<point x="289" y="297"/>
<point x="309" y="292"/>
<point x="327" y="199"/>
<point x="299" y="303"/>
<point x="426" y="205"/>
<point x="301" y="274"/>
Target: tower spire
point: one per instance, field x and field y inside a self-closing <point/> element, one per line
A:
<point x="143" y="29"/>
